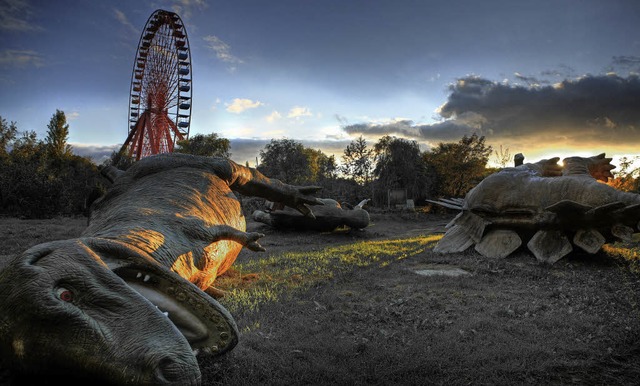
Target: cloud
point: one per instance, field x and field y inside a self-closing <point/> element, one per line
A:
<point x="15" y="16"/>
<point x="532" y="81"/>
<point x="274" y="116"/>
<point x="72" y="116"/>
<point x="625" y="62"/>
<point x="97" y="153"/>
<point x="298" y="112"/>
<point x="20" y="58"/>
<point x="239" y="105"/>
<point x="184" y="8"/>
<point x="222" y="50"/>
<point x="122" y="18"/>
<point x="600" y="111"/>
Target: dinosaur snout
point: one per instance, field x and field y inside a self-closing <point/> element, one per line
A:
<point x="173" y="371"/>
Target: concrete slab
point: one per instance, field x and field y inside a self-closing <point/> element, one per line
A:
<point x="443" y="271"/>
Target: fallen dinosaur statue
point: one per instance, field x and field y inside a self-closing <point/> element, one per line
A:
<point x="546" y="206"/>
<point x="327" y="217"/>
<point x="127" y="301"/>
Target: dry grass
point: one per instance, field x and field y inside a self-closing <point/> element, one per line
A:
<point x="17" y="235"/>
<point x="368" y="318"/>
<point x="348" y="308"/>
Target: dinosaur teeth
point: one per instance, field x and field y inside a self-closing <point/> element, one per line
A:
<point x="145" y="279"/>
<point x="165" y="313"/>
<point x="205" y="350"/>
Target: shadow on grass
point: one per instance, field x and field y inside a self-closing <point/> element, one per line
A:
<point x="358" y="314"/>
<point x="268" y="280"/>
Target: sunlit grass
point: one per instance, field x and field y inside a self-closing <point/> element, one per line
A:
<point x="625" y="252"/>
<point x="276" y="276"/>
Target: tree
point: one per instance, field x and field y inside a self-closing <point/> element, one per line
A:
<point x="25" y="189"/>
<point x="321" y="166"/>
<point x="398" y="165"/>
<point x="459" y="166"/>
<point x="57" y="136"/>
<point x="119" y="159"/>
<point x="40" y="181"/>
<point x="206" y="145"/>
<point x="627" y="178"/>
<point x="357" y="161"/>
<point x="27" y="147"/>
<point x="328" y="168"/>
<point x="286" y="160"/>
<point x="8" y="133"/>
<point x="503" y="157"/>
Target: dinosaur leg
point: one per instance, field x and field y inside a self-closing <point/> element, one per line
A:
<point x="215" y="233"/>
<point x="215" y="293"/>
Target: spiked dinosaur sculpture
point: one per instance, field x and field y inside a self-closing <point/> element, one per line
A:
<point x="127" y="301"/>
<point x="328" y="217"/>
<point x="544" y="205"/>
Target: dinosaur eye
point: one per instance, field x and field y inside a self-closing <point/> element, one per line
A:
<point x="64" y="294"/>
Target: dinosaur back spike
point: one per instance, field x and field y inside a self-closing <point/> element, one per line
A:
<point x="568" y="207"/>
<point x="549" y="246"/>
<point x="455" y="240"/>
<point x="498" y="243"/>
<point x="622" y="232"/>
<point x="605" y="209"/>
<point x="449" y="205"/>
<point x="590" y="240"/>
<point x="473" y="224"/>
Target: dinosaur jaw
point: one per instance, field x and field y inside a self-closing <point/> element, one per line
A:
<point x="207" y="325"/>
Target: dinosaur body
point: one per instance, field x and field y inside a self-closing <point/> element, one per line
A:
<point x="127" y="301"/>
<point x="327" y="217"/>
<point x="549" y="207"/>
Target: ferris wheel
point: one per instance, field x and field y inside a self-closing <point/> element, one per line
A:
<point x="160" y="94"/>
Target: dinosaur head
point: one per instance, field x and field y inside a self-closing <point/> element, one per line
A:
<point x="99" y="309"/>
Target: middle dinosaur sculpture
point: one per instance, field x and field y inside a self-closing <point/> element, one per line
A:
<point x="127" y="301"/>
<point x="547" y="206"/>
<point x="327" y="217"/>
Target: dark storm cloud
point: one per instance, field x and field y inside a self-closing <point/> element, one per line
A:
<point x="441" y="131"/>
<point x="590" y="109"/>
<point x="626" y="62"/>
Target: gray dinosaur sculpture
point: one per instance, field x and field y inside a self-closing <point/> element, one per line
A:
<point x="327" y="218"/>
<point x="545" y="205"/>
<point x="127" y="301"/>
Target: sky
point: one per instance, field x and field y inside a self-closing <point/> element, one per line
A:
<point x="543" y="78"/>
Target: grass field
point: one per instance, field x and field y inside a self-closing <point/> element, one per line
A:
<point x="349" y="307"/>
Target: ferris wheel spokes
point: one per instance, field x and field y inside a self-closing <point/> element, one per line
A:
<point x="161" y="88"/>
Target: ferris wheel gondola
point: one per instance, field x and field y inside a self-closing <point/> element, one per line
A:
<point x="161" y="88"/>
